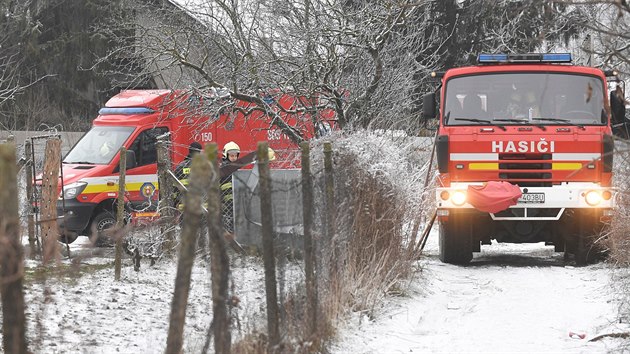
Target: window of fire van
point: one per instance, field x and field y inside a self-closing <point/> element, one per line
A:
<point x="98" y="146"/>
<point x="145" y="147"/>
<point x="524" y="98"/>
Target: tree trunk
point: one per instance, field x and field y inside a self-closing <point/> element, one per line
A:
<point x="199" y="178"/>
<point x="220" y="262"/>
<point x="50" y="181"/>
<point x="309" y="248"/>
<point x="330" y="205"/>
<point x="166" y="194"/>
<point x="269" y="259"/>
<point x="120" y="213"/>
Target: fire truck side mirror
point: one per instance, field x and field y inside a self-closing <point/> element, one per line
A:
<point x="618" y="113"/>
<point x="428" y="106"/>
<point x="131" y="159"/>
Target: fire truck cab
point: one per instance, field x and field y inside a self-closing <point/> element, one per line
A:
<point x="135" y="119"/>
<point x="538" y="125"/>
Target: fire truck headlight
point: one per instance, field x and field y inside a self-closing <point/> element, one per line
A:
<point x="458" y="198"/>
<point x="73" y="190"/>
<point x="593" y="198"/>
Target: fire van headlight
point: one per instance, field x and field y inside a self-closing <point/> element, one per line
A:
<point x="593" y="198"/>
<point x="73" y="190"/>
<point x="458" y="198"/>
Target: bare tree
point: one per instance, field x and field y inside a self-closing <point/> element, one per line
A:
<point x="10" y="59"/>
<point x="607" y="33"/>
<point x="354" y="58"/>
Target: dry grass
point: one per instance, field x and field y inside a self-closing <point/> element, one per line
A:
<point x="369" y="256"/>
<point x="618" y="240"/>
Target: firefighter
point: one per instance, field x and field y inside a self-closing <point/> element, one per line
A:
<point x="524" y="105"/>
<point x="182" y="171"/>
<point x="106" y="149"/>
<point x="231" y="153"/>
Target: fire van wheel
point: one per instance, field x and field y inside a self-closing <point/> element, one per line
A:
<point x="68" y="238"/>
<point x="102" y="221"/>
<point x="456" y="240"/>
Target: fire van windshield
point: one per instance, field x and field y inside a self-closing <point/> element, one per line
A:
<point x="529" y="98"/>
<point x="98" y="146"/>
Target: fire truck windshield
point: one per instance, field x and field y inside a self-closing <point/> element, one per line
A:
<point x="525" y="98"/>
<point x="98" y="146"/>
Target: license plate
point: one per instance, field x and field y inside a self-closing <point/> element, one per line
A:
<point x="532" y="198"/>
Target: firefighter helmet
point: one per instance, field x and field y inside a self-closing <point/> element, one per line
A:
<point x="230" y="147"/>
<point x="271" y="154"/>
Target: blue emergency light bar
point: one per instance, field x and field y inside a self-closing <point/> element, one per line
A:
<point x="125" y="111"/>
<point x="525" y="58"/>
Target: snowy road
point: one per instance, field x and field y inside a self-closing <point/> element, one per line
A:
<point x="511" y="298"/>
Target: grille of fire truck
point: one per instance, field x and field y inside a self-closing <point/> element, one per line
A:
<point x="526" y="170"/>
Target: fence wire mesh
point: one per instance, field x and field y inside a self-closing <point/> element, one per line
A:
<point x="379" y="193"/>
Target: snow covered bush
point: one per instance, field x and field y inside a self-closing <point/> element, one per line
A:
<point x="379" y="180"/>
<point x="379" y="195"/>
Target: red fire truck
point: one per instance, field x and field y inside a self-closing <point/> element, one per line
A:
<point x="135" y="118"/>
<point x="524" y="150"/>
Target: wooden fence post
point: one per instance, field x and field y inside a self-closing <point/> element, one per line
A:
<point x="309" y="250"/>
<point x="269" y="259"/>
<point x="11" y="258"/>
<point x="120" y="212"/>
<point x="219" y="260"/>
<point x="50" y="194"/>
<point x="166" y="194"/>
<point x="199" y="179"/>
<point x="330" y="204"/>
<point x="30" y="218"/>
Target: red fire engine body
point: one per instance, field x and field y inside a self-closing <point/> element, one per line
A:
<point x="134" y="119"/>
<point x="524" y="152"/>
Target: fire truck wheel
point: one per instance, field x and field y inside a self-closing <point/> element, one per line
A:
<point x="456" y="240"/>
<point x="581" y="251"/>
<point x="103" y="221"/>
<point x="587" y="229"/>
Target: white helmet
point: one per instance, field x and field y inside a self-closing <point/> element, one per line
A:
<point x="230" y="147"/>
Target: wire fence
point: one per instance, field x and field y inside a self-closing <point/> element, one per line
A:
<point x="366" y="195"/>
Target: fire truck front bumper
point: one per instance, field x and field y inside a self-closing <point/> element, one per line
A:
<point x="75" y="216"/>
<point x="576" y="195"/>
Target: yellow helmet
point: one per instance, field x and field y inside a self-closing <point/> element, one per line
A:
<point x="271" y="154"/>
<point x="230" y="147"/>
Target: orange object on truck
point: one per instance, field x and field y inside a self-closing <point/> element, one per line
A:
<point x="135" y="118"/>
<point x="525" y="152"/>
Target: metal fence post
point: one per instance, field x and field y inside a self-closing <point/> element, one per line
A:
<point x="30" y="218"/>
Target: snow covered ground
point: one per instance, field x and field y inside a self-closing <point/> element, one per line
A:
<point x="510" y="299"/>
<point x="93" y="313"/>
